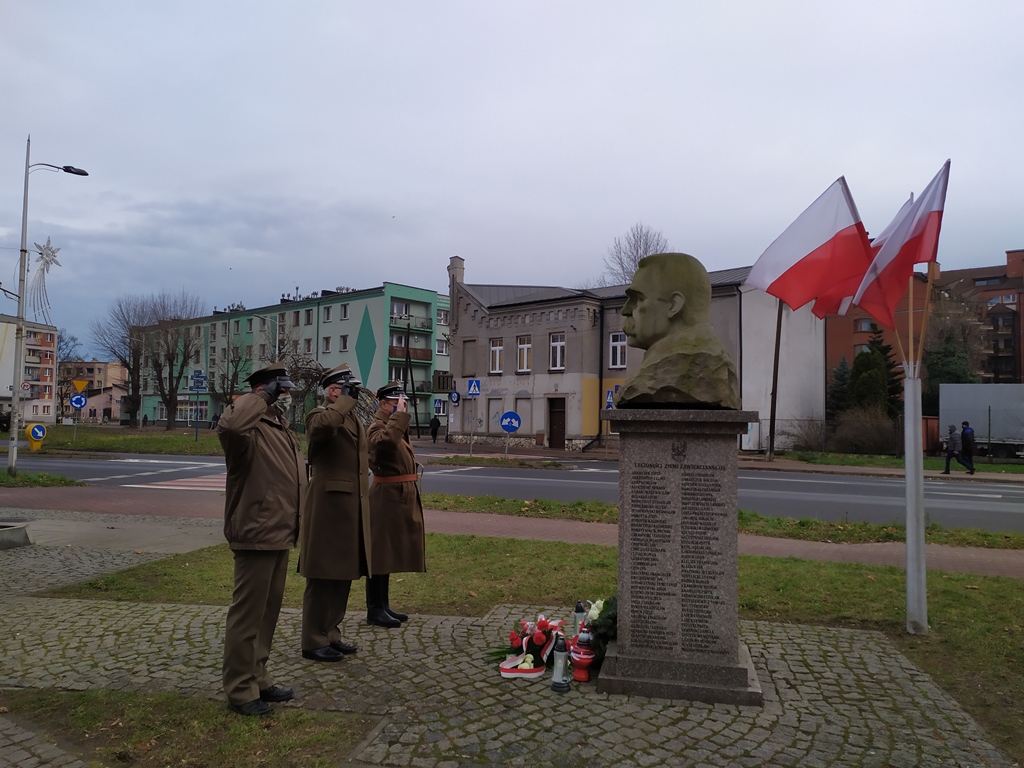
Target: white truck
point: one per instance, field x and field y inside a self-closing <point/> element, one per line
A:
<point x="995" y="411"/>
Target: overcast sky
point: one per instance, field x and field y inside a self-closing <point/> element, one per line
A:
<point x="241" y="149"/>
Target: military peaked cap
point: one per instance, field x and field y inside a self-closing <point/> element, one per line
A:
<point x="342" y="373"/>
<point x="269" y="374"/>
<point x="393" y="389"/>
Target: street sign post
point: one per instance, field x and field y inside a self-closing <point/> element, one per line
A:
<point x="473" y="393"/>
<point x="510" y="422"/>
<point x="35" y="434"/>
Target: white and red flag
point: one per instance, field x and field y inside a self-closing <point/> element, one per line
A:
<point x="837" y="299"/>
<point x="826" y="245"/>
<point x="913" y="239"/>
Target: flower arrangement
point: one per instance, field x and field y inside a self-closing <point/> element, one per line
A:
<point x="529" y="648"/>
<point x="602" y="625"/>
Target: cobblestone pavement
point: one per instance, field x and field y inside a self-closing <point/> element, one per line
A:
<point x="833" y="697"/>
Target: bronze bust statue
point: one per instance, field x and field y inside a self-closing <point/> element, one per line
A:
<point x="667" y="314"/>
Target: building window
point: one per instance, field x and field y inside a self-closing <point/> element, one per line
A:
<point x="307" y="346"/>
<point x="858" y="348"/>
<point x="497" y="355"/>
<point x="224" y="328"/>
<point x="237" y="326"/>
<point x="48" y="372"/>
<point x="309" y="317"/>
<point x="397" y="339"/>
<point x="327" y="314"/>
<point x="396" y="373"/>
<point x="862" y="325"/>
<point x="46" y="410"/>
<point x="442" y="346"/>
<point x="556" y="361"/>
<point x="617" y="350"/>
<point x="263" y="351"/>
<point x="295" y="319"/>
<point x="978" y="281"/>
<point x="442" y="317"/>
<point x="400" y="309"/>
<point x="213" y="352"/>
<point x="213" y="331"/>
<point x="343" y="312"/>
<point x="49" y="337"/>
<point x="47" y="391"/>
<point x="524" y="353"/>
<point x="343" y="343"/>
<point x="326" y="345"/>
<point x="248" y="325"/>
<point x="35" y="410"/>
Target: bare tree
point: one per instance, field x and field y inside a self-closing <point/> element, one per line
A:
<point x="172" y="344"/>
<point x="120" y="336"/>
<point x="626" y="252"/>
<point x="305" y="371"/>
<point x="226" y="380"/>
<point x="67" y="350"/>
<point x="956" y="318"/>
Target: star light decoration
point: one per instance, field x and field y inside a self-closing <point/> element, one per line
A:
<point x="38" y="301"/>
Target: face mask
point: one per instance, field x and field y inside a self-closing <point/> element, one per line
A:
<point x="282" y="404"/>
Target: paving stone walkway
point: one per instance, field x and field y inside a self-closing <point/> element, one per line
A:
<point x="833" y="697"/>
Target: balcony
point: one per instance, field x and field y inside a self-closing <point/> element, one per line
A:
<point x="418" y="355"/>
<point x="416" y="322"/>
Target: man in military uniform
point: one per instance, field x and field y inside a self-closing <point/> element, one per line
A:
<point x="336" y="516"/>
<point x="399" y="544"/>
<point x="266" y="482"/>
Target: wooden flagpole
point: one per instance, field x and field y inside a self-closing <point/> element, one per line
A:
<point x="927" y="310"/>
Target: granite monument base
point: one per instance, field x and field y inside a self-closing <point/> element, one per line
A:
<point x="678" y="623"/>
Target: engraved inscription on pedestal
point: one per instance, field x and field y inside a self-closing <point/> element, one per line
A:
<point x="678" y="634"/>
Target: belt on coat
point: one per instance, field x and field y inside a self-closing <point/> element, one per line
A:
<point x="396" y="479"/>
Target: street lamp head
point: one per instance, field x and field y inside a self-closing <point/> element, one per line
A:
<point x="74" y="171"/>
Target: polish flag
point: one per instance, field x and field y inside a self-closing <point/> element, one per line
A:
<point x="914" y="240"/>
<point x="837" y="299"/>
<point x="827" y="244"/>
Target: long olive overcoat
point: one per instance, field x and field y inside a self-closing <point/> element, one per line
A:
<point x="396" y="511"/>
<point x="336" y="517"/>
<point x="266" y="478"/>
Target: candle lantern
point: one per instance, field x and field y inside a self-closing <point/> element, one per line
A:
<point x="579" y="615"/>
<point x="583" y="655"/>
<point x="559" y="680"/>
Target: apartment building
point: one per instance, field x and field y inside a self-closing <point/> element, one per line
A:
<point x="38" y="376"/>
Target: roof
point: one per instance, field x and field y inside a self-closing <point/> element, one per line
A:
<point x="510" y="295"/>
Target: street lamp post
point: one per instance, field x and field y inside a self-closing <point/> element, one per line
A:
<point x="19" y="333"/>
<point x="277" y="333"/>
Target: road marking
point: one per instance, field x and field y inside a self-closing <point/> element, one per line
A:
<point x="204" y="483"/>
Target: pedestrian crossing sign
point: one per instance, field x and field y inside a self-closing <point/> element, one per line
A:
<point x="473" y="388"/>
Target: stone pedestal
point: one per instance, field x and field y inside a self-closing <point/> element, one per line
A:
<point x="678" y="626"/>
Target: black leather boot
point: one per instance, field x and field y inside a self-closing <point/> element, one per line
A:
<point x="375" y="613"/>
<point x="386" y="578"/>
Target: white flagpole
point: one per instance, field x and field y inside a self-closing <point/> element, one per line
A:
<point x="913" y="462"/>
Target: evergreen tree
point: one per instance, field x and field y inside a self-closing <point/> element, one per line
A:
<point x="868" y="386"/>
<point x="893" y="372"/>
<point x="947" y="363"/>
<point x="838" y="393"/>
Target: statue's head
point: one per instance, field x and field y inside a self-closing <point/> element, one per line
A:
<point x="669" y="293"/>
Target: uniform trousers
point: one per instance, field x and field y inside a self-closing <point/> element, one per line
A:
<point x="323" y="607"/>
<point x="252" y="618"/>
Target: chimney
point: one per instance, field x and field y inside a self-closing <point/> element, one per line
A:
<point x="456" y="271"/>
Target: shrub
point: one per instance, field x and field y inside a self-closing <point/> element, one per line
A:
<point x="864" y="429"/>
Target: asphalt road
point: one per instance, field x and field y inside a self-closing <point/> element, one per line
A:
<point x="989" y="506"/>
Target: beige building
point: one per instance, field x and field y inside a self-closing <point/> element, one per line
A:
<point x="37" y="395"/>
<point x="555" y="356"/>
<point x="106" y="383"/>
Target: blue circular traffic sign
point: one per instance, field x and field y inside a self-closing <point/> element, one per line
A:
<point x="454" y="397"/>
<point x="510" y="421"/>
<point x="38" y="432"/>
<point x="78" y="401"/>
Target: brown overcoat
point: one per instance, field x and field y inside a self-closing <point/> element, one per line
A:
<point x="266" y="479"/>
<point x="336" y="516"/>
<point x="396" y="511"/>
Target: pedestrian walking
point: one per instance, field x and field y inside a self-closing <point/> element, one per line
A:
<point x="396" y="511"/>
<point x="266" y="482"/>
<point x="336" y="516"/>
<point x="435" y="426"/>
<point x="953" y="448"/>
<point x="967" y="445"/>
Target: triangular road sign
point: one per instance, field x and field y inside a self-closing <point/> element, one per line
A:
<point x="80" y="384"/>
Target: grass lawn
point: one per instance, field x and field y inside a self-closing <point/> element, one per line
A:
<point x="982" y="463"/>
<point x="975" y="649"/>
